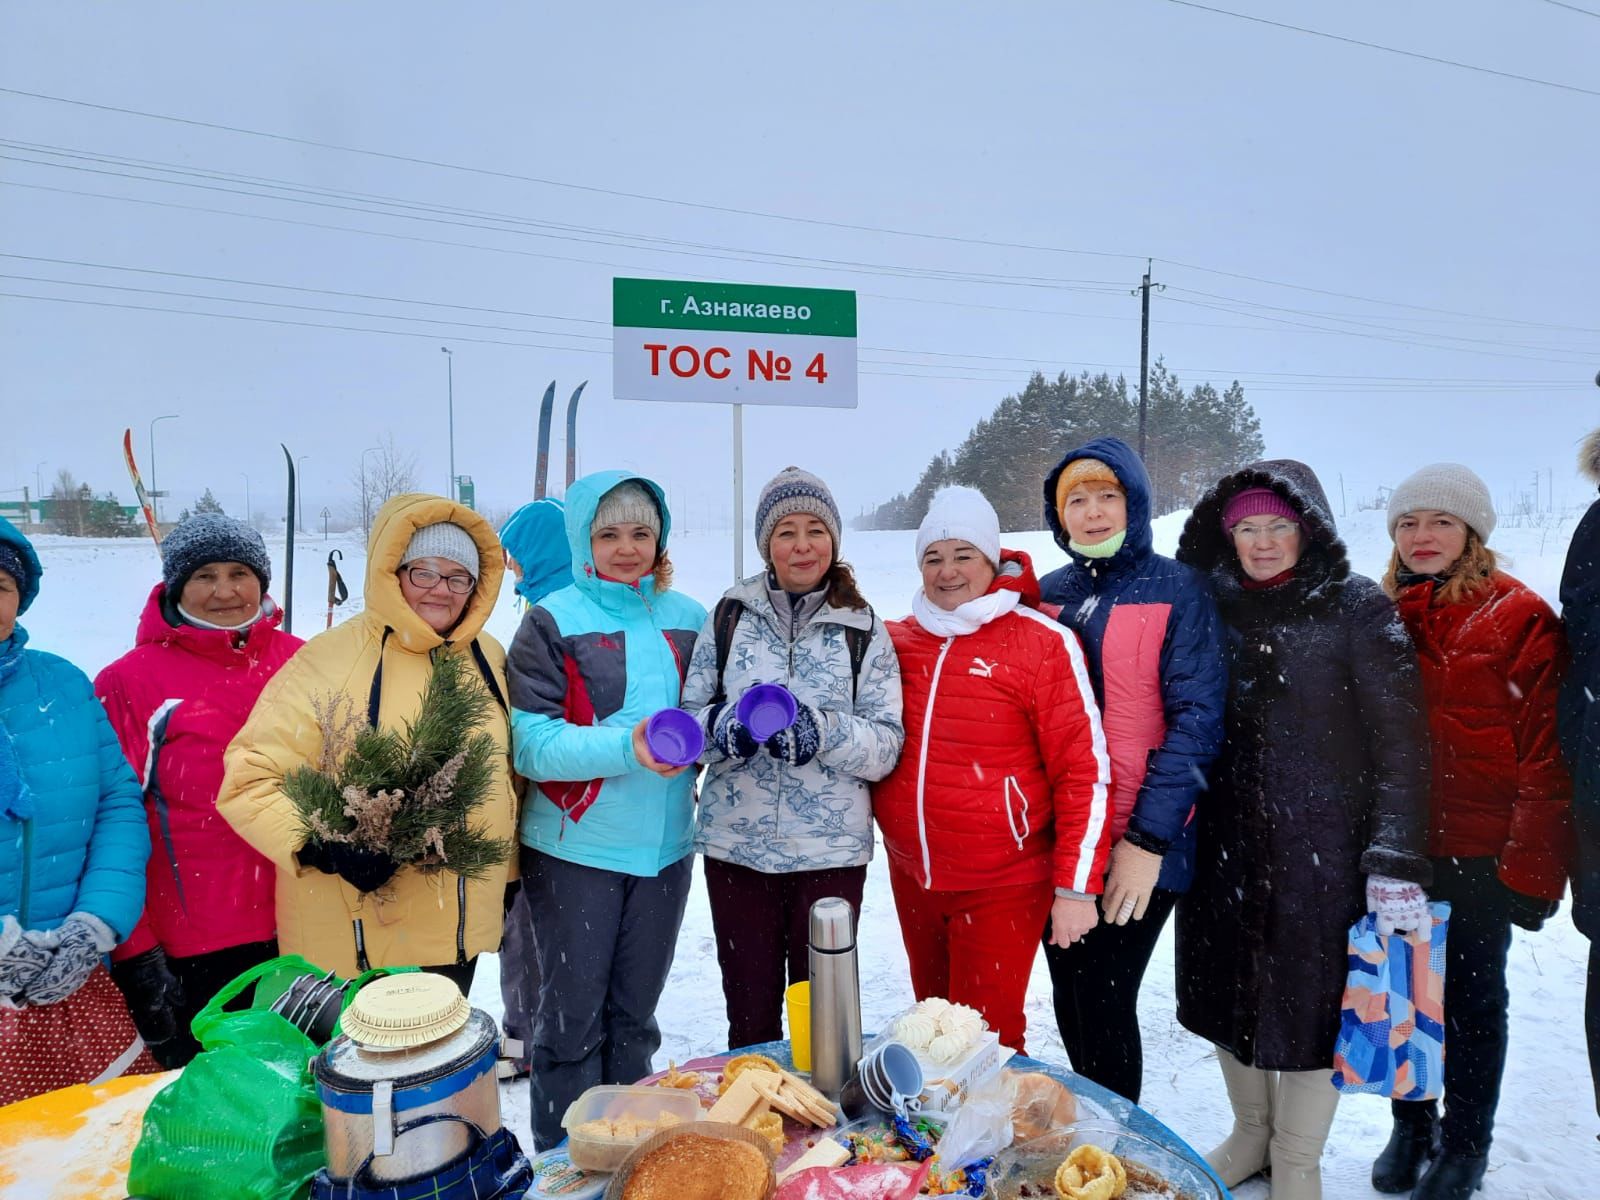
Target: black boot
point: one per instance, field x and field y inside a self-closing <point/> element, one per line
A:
<point x="1410" y="1147"/>
<point x="1452" y="1177"/>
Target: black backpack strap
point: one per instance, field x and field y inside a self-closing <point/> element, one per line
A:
<point x="484" y="669"/>
<point x="724" y="620"/>
<point x="858" y="640"/>
<point x="375" y="692"/>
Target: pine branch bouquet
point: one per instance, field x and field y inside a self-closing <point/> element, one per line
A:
<point x="408" y="794"/>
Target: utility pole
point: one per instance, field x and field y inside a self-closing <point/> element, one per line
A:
<point x="1144" y="352"/>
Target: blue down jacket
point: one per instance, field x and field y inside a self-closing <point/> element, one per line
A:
<point x="72" y="826"/>
<point x="588" y="662"/>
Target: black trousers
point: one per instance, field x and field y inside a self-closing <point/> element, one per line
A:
<point x="762" y="924"/>
<point x="1095" y="985"/>
<point x="202" y="977"/>
<point x="1475" y="1000"/>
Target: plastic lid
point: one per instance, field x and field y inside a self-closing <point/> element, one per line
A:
<point x="554" y="1175"/>
<point x="406" y="1010"/>
<point x="832" y="924"/>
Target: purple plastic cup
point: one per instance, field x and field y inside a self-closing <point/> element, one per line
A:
<point x="766" y="709"/>
<point x="675" y="737"/>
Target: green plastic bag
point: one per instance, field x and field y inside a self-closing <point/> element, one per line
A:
<point x="243" y="1120"/>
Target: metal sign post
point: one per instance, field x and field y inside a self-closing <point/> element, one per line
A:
<point x="733" y="343"/>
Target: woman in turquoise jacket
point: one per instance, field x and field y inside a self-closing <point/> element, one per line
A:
<point x="606" y="835"/>
<point x="73" y="844"/>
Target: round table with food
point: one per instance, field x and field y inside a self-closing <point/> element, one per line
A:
<point x="397" y="1098"/>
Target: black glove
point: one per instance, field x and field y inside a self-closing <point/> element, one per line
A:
<point x="798" y="744"/>
<point x="729" y="735"/>
<point x="1531" y="912"/>
<point x="154" y="995"/>
<point x="364" y="870"/>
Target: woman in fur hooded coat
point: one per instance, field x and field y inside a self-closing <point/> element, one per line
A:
<point x="1580" y="733"/>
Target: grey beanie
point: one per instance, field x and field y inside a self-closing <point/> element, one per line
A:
<point x="792" y="491"/>
<point x="1445" y="487"/>
<point x="446" y="540"/>
<point x="629" y="503"/>
<point x="207" y="538"/>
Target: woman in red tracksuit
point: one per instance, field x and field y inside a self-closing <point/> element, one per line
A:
<point x="996" y="816"/>
<point x="1492" y="655"/>
<point x="208" y="641"/>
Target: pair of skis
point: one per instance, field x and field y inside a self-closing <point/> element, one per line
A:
<point x="542" y="463"/>
<point x="148" y="508"/>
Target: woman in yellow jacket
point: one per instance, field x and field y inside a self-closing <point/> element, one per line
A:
<point x="352" y="910"/>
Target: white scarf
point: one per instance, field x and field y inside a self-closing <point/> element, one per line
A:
<point x="964" y="618"/>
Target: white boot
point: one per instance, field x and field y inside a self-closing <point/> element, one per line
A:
<point x="1245" y="1151"/>
<point x="1302" y="1115"/>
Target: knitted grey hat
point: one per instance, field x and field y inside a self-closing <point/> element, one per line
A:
<point x="445" y="540"/>
<point x="629" y="503"/>
<point x="1445" y="487"/>
<point x="207" y="538"/>
<point x="792" y="491"/>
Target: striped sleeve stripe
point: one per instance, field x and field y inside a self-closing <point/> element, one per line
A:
<point x="1098" y="805"/>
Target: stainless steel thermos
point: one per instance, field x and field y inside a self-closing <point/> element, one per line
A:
<point x="835" y="996"/>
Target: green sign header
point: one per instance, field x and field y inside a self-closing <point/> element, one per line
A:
<point x="743" y="307"/>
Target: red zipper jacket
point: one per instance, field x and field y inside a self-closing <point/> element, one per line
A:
<point x="183" y="692"/>
<point x="1491" y="671"/>
<point x="1004" y="776"/>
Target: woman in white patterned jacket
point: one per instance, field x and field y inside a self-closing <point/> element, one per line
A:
<point x="788" y="821"/>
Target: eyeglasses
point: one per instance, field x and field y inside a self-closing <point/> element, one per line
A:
<point x="423" y="578"/>
<point x="1275" y="532"/>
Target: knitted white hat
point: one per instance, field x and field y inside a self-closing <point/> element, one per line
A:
<point x="443" y="540"/>
<point x="964" y="513"/>
<point x="629" y="503"/>
<point x="1445" y="487"/>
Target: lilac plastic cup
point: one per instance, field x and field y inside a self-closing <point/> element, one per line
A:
<point x="766" y="709"/>
<point x="674" y="737"/>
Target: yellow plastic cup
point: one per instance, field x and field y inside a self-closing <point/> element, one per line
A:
<point x="797" y="999"/>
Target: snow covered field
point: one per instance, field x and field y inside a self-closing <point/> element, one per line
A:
<point x="1545" y="1145"/>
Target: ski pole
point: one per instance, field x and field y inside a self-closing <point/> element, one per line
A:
<point x="337" y="592"/>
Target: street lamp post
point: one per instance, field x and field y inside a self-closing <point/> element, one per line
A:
<point x="450" y="385"/>
<point x="155" y="492"/>
<point x="38" y="488"/>
<point x="246" y="479"/>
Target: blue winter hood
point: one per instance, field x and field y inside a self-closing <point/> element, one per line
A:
<point x="1128" y="467"/>
<point x="11" y="536"/>
<point x="583" y="499"/>
<point x="536" y="536"/>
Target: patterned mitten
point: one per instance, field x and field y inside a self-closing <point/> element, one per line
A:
<point x="20" y="959"/>
<point x="729" y="735"/>
<point x="798" y="744"/>
<point x="81" y="941"/>
<point x="1402" y="906"/>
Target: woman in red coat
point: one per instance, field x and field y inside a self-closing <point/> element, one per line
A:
<point x="1492" y="656"/>
<point x="208" y="641"/>
<point x="996" y="817"/>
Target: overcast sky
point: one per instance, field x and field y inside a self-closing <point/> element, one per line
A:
<point x="1297" y="194"/>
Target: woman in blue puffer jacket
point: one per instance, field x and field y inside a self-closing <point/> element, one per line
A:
<point x="73" y="844"/>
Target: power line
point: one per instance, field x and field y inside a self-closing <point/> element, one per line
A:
<point x="1011" y="359"/>
<point x="543" y="182"/>
<point x="702" y="250"/>
<point x="1574" y="8"/>
<point x="1301" y="382"/>
<point x="1349" y="41"/>
<point x="765" y="215"/>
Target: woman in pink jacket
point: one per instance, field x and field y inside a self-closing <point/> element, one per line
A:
<point x="208" y="642"/>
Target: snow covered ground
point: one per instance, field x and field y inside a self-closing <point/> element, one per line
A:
<point x="1545" y="1145"/>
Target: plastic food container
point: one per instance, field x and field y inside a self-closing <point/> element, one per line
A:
<point x="590" y="1151"/>
<point x="675" y="737"/>
<point x="554" y="1177"/>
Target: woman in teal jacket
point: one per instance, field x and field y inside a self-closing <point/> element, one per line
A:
<point x="73" y="844"/>
<point x="607" y="833"/>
